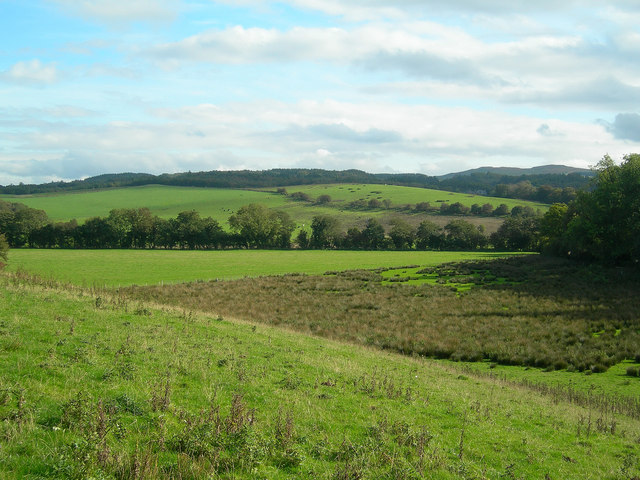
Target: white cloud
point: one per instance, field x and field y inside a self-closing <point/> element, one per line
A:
<point x="326" y="134"/>
<point x="31" y="72"/>
<point x="122" y="11"/>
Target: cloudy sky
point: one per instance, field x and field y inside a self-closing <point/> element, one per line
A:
<point x="430" y="86"/>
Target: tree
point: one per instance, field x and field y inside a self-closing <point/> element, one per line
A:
<point x="325" y="231"/>
<point x="429" y="235"/>
<point x="260" y="227"/>
<point x="4" y="251"/>
<point x="462" y="235"/>
<point x="323" y="199"/>
<point x="302" y="239"/>
<point x="402" y="234"/>
<point x="517" y="233"/>
<point x="605" y="223"/>
<point x="373" y="237"/>
<point x="502" y="210"/>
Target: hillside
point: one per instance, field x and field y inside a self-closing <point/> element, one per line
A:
<point x="517" y="172"/>
<point x="168" y="201"/>
<point x="474" y="181"/>
<point x="100" y="387"/>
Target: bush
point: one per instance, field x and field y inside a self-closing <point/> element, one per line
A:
<point x="632" y="371"/>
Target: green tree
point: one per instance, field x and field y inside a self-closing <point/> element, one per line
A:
<point x="4" y="251"/>
<point x="373" y="236"/>
<point x="429" y="235"/>
<point x="462" y="235"/>
<point x="325" y="231"/>
<point x="323" y="199"/>
<point x="604" y="223"/>
<point x="517" y="233"/>
<point x="402" y="234"/>
<point x="260" y="227"/>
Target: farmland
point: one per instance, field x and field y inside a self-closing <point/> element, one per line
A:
<point x="220" y="203"/>
<point x="143" y="267"/>
<point x="95" y="386"/>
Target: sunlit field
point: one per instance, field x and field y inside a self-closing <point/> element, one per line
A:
<point x="144" y="267"/>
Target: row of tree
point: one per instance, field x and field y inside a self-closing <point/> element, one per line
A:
<point x="252" y="226"/>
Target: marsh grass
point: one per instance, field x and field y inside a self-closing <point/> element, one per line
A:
<point x="532" y="311"/>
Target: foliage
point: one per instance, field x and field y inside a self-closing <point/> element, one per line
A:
<point x="4" y="250"/>
<point x="517" y="233"/>
<point x="18" y="222"/>
<point x="604" y="223"/>
<point x="261" y="227"/>
<point x="325" y="231"/>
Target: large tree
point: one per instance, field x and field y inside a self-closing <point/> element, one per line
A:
<point x="604" y="223"/>
<point x="4" y="250"/>
<point x="260" y="227"/>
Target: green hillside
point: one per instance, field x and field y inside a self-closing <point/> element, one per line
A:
<point x="95" y="387"/>
<point x="167" y="201"/>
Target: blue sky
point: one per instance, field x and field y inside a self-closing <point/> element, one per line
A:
<point x="430" y="86"/>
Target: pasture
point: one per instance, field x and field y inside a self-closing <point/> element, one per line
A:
<point x="167" y="202"/>
<point x="341" y="195"/>
<point x="101" y="387"/>
<point x="146" y="267"/>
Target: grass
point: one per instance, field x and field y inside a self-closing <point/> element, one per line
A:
<point x="341" y="195"/>
<point x="219" y="204"/>
<point x="544" y="313"/>
<point x="143" y="267"/>
<point x="163" y="201"/>
<point x="108" y="387"/>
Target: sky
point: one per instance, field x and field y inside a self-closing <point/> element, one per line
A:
<point x="89" y="87"/>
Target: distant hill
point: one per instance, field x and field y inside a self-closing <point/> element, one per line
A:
<point x="547" y="184"/>
<point x="516" y="172"/>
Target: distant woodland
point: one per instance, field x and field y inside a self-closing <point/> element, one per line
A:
<point x="544" y="188"/>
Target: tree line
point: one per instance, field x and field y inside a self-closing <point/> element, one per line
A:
<point x="252" y="226"/>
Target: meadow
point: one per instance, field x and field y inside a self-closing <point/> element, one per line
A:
<point x="342" y="195"/>
<point x="102" y="386"/>
<point x="527" y="310"/>
<point x="145" y="267"/>
<point x="219" y="204"/>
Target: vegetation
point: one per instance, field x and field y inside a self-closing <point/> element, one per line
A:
<point x="99" y="386"/>
<point x="549" y="313"/>
<point x="604" y="223"/>
<point x="4" y="251"/>
<point x="144" y="267"/>
<point x="543" y="187"/>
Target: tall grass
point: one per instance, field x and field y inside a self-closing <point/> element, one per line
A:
<point x="550" y="313"/>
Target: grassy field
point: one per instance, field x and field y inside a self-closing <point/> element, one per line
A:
<point x="94" y="387"/>
<point x="341" y="195"/>
<point x="219" y="204"/>
<point x="163" y="201"/>
<point x="533" y="311"/>
<point x="143" y="267"/>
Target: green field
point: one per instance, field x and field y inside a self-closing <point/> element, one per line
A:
<point x="142" y="267"/>
<point x="343" y="194"/>
<point x="92" y="387"/>
<point x="219" y="204"/>
<point x="163" y="201"/>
